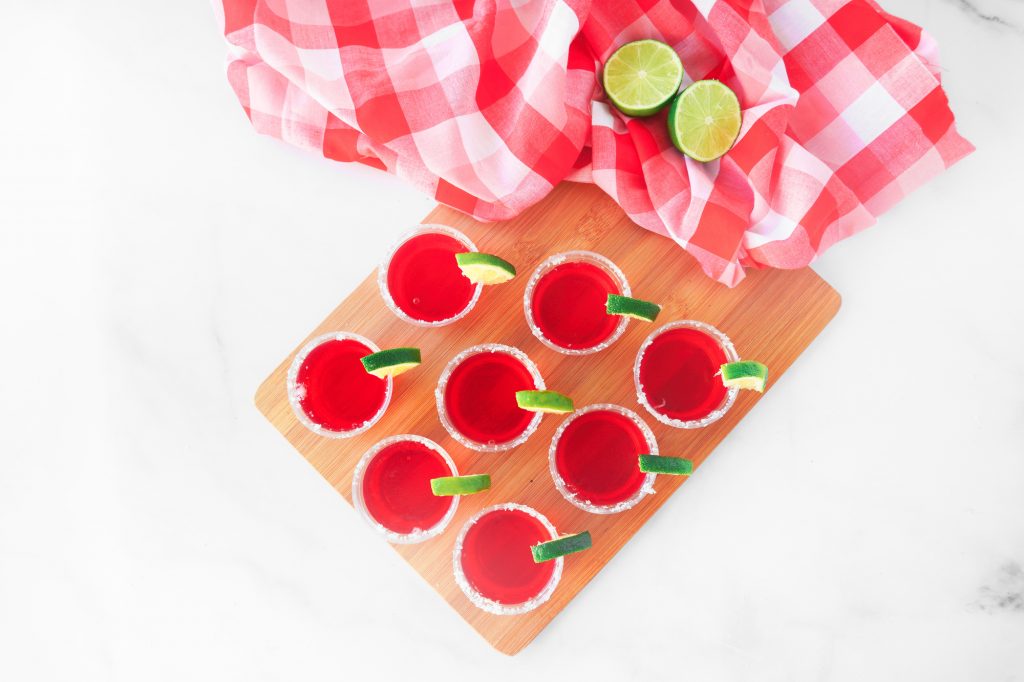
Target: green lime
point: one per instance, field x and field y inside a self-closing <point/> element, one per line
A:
<point x="675" y="466"/>
<point x="632" y="307"/>
<point x="745" y="374"/>
<point x="460" y="485"/>
<point x="641" y="77"/>
<point x="483" y="268"/>
<point x="704" y="120"/>
<point x="550" y="402"/>
<point x="567" y="544"/>
<point x="391" y="362"/>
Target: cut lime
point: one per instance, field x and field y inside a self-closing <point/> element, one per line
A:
<point x="632" y="307"/>
<point x="391" y="362"/>
<point x="745" y="374"/>
<point x="674" y="466"/>
<point x="704" y="120"/>
<point x="460" y="485"/>
<point x="550" y="402"/>
<point x="483" y="268"/>
<point x="641" y="77"/>
<point x="567" y="544"/>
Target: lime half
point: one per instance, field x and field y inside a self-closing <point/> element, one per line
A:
<point x="460" y="485"/>
<point x="641" y="77"/>
<point x="745" y="374"/>
<point x="704" y="120"/>
<point x="391" y="362"/>
<point x="674" y="466"/>
<point x="484" y="268"/>
<point x="550" y="402"/>
<point x="567" y="544"/>
<point x="632" y="307"/>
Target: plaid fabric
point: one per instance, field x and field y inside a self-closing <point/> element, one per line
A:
<point x="487" y="105"/>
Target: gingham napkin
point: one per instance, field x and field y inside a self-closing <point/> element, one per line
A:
<point x="487" y="105"/>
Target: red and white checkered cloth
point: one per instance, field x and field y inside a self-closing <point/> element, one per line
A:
<point x="487" y="105"/>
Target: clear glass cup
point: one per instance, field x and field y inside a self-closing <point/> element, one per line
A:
<point x="725" y="352"/>
<point x="446" y="388"/>
<point x="297" y="392"/>
<point x="472" y="571"/>
<point x="360" y="494"/>
<point x="544" y="269"/>
<point x="386" y="265"/>
<point x="574" y="491"/>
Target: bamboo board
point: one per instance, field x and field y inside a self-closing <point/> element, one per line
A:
<point x="772" y="316"/>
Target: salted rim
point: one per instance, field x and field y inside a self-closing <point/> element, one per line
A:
<point x="442" y="409"/>
<point x="647" y="488"/>
<point x="489" y="605"/>
<point x="297" y="392"/>
<point x="417" y="535"/>
<point x="730" y="353"/>
<point x="574" y="257"/>
<point x="382" y="274"/>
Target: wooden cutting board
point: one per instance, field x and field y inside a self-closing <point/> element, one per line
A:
<point x="772" y="316"/>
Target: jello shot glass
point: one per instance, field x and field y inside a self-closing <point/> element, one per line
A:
<point x="329" y="389"/>
<point x="391" y="488"/>
<point x="594" y="459"/>
<point x="676" y="374"/>
<point x="565" y="302"/>
<point x="476" y="397"/>
<point x="494" y="565"/>
<point x="420" y="280"/>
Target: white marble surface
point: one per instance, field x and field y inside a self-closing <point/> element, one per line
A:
<point x="866" y="522"/>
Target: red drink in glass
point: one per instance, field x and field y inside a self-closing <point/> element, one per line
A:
<point x="594" y="459"/>
<point x="330" y="391"/>
<point x="476" y="397"/>
<point x="565" y="302"/>
<point x="494" y="565"/>
<point x="420" y="280"/>
<point x="676" y="374"/>
<point x="391" y="488"/>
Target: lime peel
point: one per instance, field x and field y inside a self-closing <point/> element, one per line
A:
<point x="460" y="485"/>
<point x="567" y="544"/>
<point x="632" y="307"/>
<point x="547" y="402"/>
<point x="747" y="374"/>
<point x="660" y="464"/>
<point x="485" y="268"/>
<point x="391" y="362"/>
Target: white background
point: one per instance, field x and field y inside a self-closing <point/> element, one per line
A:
<point x="157" y="259"/>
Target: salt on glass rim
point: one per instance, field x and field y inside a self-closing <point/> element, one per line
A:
<point x="296" y="392"/>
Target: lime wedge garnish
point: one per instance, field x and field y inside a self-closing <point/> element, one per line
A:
<point x="567" y="544"/>
<point x="391" y="362"/>
<point x="632" y="307"/>
<point x="745" y="374"/>
<point x="641" y="77"/>
<point x="550" y="402"/>
<point x="460" y="485"/>
<point x="483" y="268"/>
<point x="674" y="466"/>
<point x="704" y="120"/>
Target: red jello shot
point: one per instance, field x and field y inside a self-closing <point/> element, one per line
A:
<point x="391" y="488"/>
<point x="565" y="302"/>
<point x="594" y="459"/>
<point x="329" y="389"/>
<point x="421" y="282"/>
<point x="676" y="374"/>
<point x="476" y="397"/>
<point x="494" y="564"/>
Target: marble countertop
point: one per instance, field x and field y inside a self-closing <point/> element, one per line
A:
<point x="865" y="522"/>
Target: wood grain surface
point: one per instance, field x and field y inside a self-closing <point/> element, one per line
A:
<point x="772" y="316"/>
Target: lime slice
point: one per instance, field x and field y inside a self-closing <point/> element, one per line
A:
<point x="391" y="362"/>
<point x="460" y="485"/>
<point x="674" y="466"/>
<point x="745" y="374"/>
<point x="632" y="307"/>
<point x="641" y="77"/>
<point x="567" y="544"/>
<point x="483" y="268"/>
<point x="550" y="402"/>
<point x="704" y="120"/>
